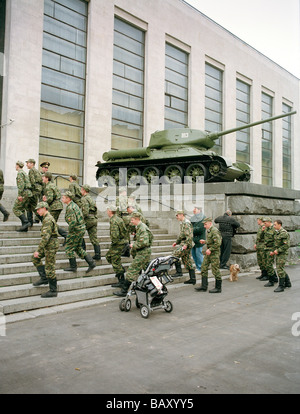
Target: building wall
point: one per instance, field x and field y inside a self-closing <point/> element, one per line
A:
<point x="163" y="20"/>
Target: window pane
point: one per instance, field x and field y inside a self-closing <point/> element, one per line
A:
<point x="242" y="118"/>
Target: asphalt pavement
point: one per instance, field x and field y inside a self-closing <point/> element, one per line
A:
<point x="245" y="340"/>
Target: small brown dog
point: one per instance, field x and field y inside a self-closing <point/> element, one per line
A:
<point x="234" y="270"/>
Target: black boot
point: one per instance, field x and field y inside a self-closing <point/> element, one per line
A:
<point x="4" y="212"/>
<point x="73" y="265"/>
<point x="287" y="282"/>
<point x="90" y="262"/>
<point x="261" y="275"/>
<point x="281" y="285"/>
<point x="178" y="269"/>
<point x="192" y="279"/>
<point x="97" y="250"/>
<point x="52" y="293"/>
<point x="25" y="223"/>
<point x="124" y="289"/>
<point x="43" y="280"/>
<point x="204" y="285"/>
<point x="120" y="282"/>
<point x="271" y="281"/>
<point x="264" y="276"/>
<point x="30" y="218"/>
<point x="218" y="287"/>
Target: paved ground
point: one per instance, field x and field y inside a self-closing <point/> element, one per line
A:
<point x="240" y="341"/>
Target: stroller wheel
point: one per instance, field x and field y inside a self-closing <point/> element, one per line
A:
<point x="122" y="305"/>
<point x="144" y="311"/>
<point x="127" y="305"/>
<point x="168" y="306"/>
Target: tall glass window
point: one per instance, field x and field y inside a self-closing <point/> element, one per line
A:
<point x="63" y="86"/>
<point x="214" y="103"/>
<point x="176" y="88"/>
<point x="242" y="118"/>
<point x="128" y="86"/>
<point x="286" y="148"/>
<point x="267" y="140"/>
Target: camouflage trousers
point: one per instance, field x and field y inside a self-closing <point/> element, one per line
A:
<point x="49" y="254"/>
<point x="269" y="261"/>
<point x="20" y="207"/>
<point x="74" y="244"/>
<point x="113" y="256"/>
<point x="140" y="261"/>
<point x="185" y="256"/>
<point x="260" y="258"/>
<point x="92" y="232"/>
<point x="214" y="260"/>
<point x="280" y="264"/>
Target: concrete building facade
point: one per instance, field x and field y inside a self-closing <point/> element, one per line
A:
<point x="79" y="78"/>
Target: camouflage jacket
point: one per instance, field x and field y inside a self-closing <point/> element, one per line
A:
<point x="23" y="184"/>
<point x="260" y="237"/>
<point x="48" y="231"/>
<point x="35" y="178"/>
<point x="282" y="240"/>
<point x="143" y="237"/>
<point x="185" y="236"/>
<point x="76" y="193"/>
<point x="118" y="232"/>
<point x="89" y="210"/>
<point x="53" y="196"/>
<point x="269" y="238"/>
<point x="74" y="218"/>
<point x="213" y="239"/>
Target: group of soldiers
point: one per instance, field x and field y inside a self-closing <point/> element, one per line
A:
<point x="38" y="194"/>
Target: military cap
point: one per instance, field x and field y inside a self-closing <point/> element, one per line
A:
<point x="179" y="212"/>
<point x="48" y="175"/>
<point x="31" y="160"/>
<point x="86" y="187"/>
<point x="112" y="207"/>
<point x="260" y="218"/>
<point x="73" y="176"/>
<point x="45" y="164"/>
<point x="267" y="219"/>
<point x="68" y="194"/>
<point x="20" y="164"/>
<point x="207" y="219"/>
<point x="42" y="204"/>
<point x="136" y="214"/>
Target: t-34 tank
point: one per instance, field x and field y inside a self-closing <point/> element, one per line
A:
<point x="174" y="154"/>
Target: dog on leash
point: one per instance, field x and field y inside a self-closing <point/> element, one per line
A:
<point x="234" y="270"/>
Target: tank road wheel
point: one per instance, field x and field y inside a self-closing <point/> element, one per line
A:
<point x="195" y="170"/>
<point x="104" y="178"/>
<point x="133" y="175"/>
<point x="216" y="169"/>
<point x="151" y="173"/>
<point x="116" y="174"/>
<point x="173" y="174"/>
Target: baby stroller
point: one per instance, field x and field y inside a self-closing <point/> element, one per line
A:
<point x="150" y="288"/>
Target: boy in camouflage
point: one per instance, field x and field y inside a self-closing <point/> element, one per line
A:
<point x="47" y="248"/>
<point x="140" y="250"/>
<point x="2" y="209"/>
<point x="35" y="178"/>
<point x="212" y="256"/>
<point x="24" y="193"/>
<point x="259" y="247"/>
<point x="282" y="245"/>
<point x="89" y="211"/>
<point x="184" y="244"/>
<point x="269" y="247"/>
<point x="75" y="220"/>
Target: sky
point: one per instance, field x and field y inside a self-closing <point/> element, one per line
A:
<point x="270" y="26"/>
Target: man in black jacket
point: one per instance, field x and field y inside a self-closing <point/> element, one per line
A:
<point x="227" y="227"/>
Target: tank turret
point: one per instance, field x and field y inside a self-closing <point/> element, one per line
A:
<point x="176" y="153"/>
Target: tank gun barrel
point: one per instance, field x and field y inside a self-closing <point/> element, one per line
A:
<point x="216" y="135"/>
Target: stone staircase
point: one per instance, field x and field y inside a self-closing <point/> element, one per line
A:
<point x="20" y="298"/>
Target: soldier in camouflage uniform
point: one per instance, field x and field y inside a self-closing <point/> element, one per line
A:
<point x="2" y="209"/>
<point x="118" y="237"/>
<point x="52" y="196"/>
<point x="74" y="189"/>
<point x="47" y="248"/>
<point x="269" y="247"/>
<point x="24" y="193"/>
<point x="259" y="247"/>
<point x="282" y="245"/>
<point x="184" y="244"/>
<point x="89" y="211"/>
<point x="140" y="250"/>
<point x="75" y="220"/>
<point x="35" y="178"/>
<point x="212" y="256"/>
